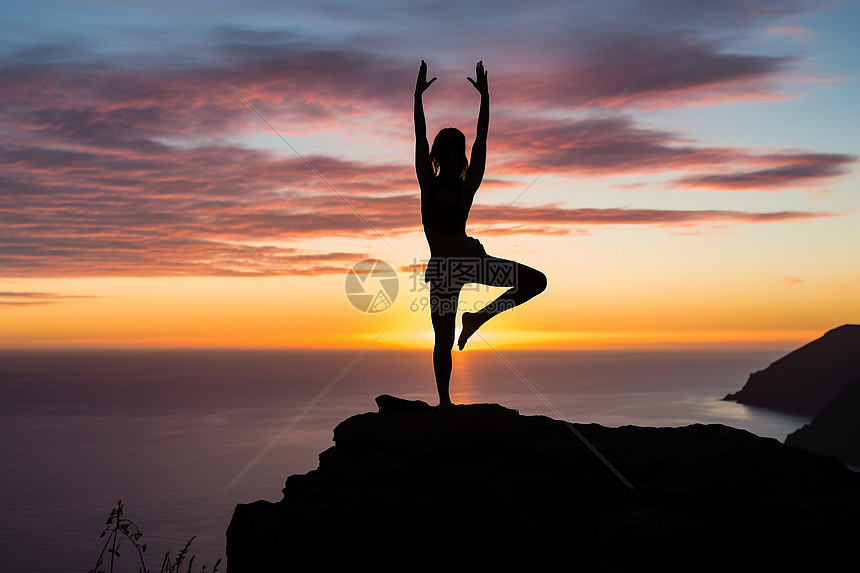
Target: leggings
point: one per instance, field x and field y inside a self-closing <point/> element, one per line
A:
<point x="447" y="276"/>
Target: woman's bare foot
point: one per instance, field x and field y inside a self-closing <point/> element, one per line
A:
<point x="470" y="325"/>
<point x="446" y="407"/>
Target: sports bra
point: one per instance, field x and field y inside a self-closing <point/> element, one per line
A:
<point x="443" y="218"/>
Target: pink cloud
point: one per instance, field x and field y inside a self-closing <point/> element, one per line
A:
<point x="786" y="170"/>
<point x="23" y="299"/>
<point x="792" y="30"/>
<point x="669" y="70"/>
<point x="620" y="146"/>
<point x="553" y="215"/>
<point x="135" y="172"/>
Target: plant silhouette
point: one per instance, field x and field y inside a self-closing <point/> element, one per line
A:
<point x="118" y="528"/>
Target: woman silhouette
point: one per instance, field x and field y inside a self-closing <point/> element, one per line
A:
<point x="448" y="183"/>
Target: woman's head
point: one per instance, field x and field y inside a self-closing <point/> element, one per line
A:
<point x="448" y="153"/>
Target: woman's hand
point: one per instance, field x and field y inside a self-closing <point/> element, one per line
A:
<point x="422" y="84"/>
<point x="480" y="81"/>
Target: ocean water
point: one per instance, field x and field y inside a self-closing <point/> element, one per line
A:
<point x="168" y="432"/>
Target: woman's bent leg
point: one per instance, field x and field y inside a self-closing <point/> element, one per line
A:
<point x="525" y="283"/>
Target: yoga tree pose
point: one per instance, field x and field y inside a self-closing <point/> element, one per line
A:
<point x="448" y="183"/>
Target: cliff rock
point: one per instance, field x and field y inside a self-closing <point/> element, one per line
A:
<point x="835" y="430"/>
<point x="410" y="488"/>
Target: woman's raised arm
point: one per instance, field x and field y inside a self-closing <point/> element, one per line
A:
<point x="478" y="162"/>
<point x="423" y="168"/>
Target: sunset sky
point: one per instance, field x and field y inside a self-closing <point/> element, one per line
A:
<point x="145" y="204"/>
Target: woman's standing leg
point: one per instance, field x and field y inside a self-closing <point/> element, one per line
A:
<point x="524" y="284"/>
<point x="443" y="313"/>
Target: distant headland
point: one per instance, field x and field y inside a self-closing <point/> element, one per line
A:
<point x="803" y="381"/>
<point x="821" y="378"/>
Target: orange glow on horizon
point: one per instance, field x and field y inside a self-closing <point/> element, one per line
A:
<point x="314" y="313"/>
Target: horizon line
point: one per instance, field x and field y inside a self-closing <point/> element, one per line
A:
<point x="702" y="340"/>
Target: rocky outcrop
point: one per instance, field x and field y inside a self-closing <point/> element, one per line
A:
<point x="805" y="380"/>
<point x="409" y="488"/>
<point x="835" y="430"/>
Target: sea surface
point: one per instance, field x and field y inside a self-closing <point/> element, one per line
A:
<point x="178" y="435"/>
